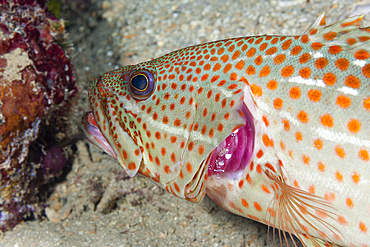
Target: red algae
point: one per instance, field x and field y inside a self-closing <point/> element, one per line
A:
<point x="36" y="86"/>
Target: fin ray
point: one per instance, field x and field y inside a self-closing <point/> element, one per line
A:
<point x="296" y="214"/>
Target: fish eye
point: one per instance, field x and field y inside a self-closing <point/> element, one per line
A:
<point x="141" y="84"/>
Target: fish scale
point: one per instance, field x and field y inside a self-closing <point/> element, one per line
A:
<point x="273" y="128"/>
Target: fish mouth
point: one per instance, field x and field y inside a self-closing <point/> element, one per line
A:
<point x="94" y="135"/>
<point x="234" y="153"/>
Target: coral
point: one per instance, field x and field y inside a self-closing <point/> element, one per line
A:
<point x="36" y="86"/>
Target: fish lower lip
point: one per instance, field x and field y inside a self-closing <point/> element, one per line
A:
<point x="233" y="154"/>
<point x="94" y="135"/>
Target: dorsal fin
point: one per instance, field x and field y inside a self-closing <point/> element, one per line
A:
<point x="300" y="213"/>
<point x="345" y="35"/>
<point x="318" y="24"/>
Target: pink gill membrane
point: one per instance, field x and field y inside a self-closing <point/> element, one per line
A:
<point x="234" y="153"/>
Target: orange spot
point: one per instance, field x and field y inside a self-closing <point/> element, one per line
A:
<point x="356" y="177"/>
<point x="264" y="118"/>
<point x="265" y="189"/>
<point x="286" y="44"/>
<point x="343" y="101"/>
<point x="257" y="206"/>
<point x="321" y="63"/>
<point x="251" y="52"/>
<point x="235" y="55"/>
<point x="245" y="203"/>
<point x="191" y="146"/>
<point x="296" y="184"/>
<point x="339" y="176"/>
<point x="287" y="71"/>
<point x="278" y="103"/>
<point x="340" y="151"/>
<point x="201" y="149"/>
<point x="271" y="51"/>
<point x="265" y="71"/>
<point x="256" y="90"/>
<point x="363" y="154"/>
<point x="230" y="186"/>
<point x="227" y="67"/>
<point x="306" y="159"/>
<point x="330" y="35"/>
<point x="240" y="65"/>
<point x="176" y="187"/>
<point x="258" y="60"/>
<point x="349" y="202"/>
<point x="279" y="59"/>
<point x="295" y="92"/>
<point x="282" y="145"/>
<point x="314" y="95"/>
<point x="241" y="182"/>
<point x="296" y="50"/>
<point x="250" y="70"/>
<point x="361" y="54"/>
<point x="329" y="79"/>
<point x="302" y="116"/>
<point x="131" y="166"/>
<point x="305" y="39"/>
<point x="366" y="70"/>
<point x="263" y="46"/>
<point x="367" y="104"/>
<point x="305" y="72"/>
<point x="316" y="46"/>
<point x="259" y="153"/>
<point x="335" y="49"/>
<point x="318" y="144"/>
<point x="352" y="81"/>
<point x="321" y="167"/>
<point x="173" y="139"/>
<point x="248" y="178"/>
<point x="267" y="141"/>
<point x="220" y="51"/>
<point x="304" y="58"/>
<point x="313" y="31"/>
<point x="327" y="120"/>
<point x="363" y="38"/>
<point x="286" y="124"/>
<point x="298" y="136"/>
<point x="272" y="85"/>
<point x="342" y="63"/>
<point x="362" y="227"/>
<point x="354" y="126"/>
<point x="167" y="169"/>
<point x="259" y="168"/>
<point x="216" y="67"/>
<point x="173" y="157"/>
<point x="220" y="127"/>
<point x="329" y="197"/>
<point x="312" y="189"/>
<point x="351" y="41"/>
<point x="189" y="168"/>
<point x="342" y="220"/>
<point x="157" y="135"/>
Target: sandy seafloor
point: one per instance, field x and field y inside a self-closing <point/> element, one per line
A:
<point x="95" y="203"/>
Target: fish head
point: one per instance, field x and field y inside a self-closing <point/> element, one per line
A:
<point x="164" y="120"/>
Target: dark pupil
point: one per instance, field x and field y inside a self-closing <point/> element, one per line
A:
<point x="140" y="82"/>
